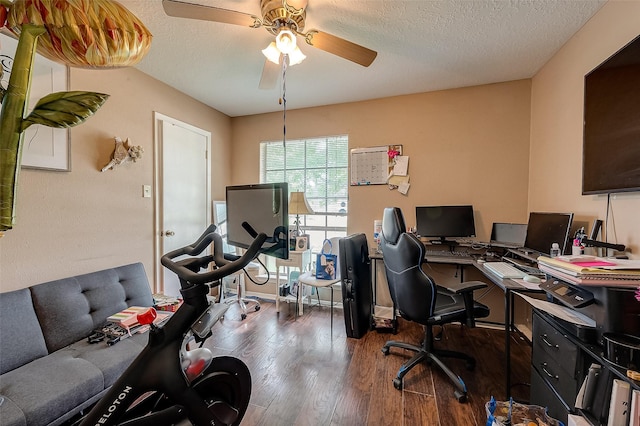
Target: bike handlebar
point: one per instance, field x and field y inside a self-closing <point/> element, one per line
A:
<point x="224" y="268"/>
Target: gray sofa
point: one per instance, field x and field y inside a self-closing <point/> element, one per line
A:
<point x="49" y="372"/>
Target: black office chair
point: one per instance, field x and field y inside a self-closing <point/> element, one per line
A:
<point x="417" y="298"/>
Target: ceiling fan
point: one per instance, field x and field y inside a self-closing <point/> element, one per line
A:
<point x="285" y="20"/>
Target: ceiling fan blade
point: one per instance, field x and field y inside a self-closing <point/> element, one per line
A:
<point x="208" y="13"/>
<point x="270" y="74"/>
<point x="341" y="47"/>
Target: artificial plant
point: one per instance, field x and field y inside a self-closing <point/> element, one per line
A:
<point x="91" y="34"/>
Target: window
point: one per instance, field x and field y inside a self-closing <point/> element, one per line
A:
<point x="319" y="167"/>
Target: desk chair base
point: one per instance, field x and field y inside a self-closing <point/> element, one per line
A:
<point x="247" y="306"/>
<point x="427" y="353"/>
<point x="244" y="305"/>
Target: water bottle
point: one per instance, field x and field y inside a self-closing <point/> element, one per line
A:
<point x="555" y="250"/>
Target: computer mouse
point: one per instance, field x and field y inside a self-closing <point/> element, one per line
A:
<point x="532" y="279"/>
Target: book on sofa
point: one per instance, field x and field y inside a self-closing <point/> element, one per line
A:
<point x="114" y="329"/>
<point x="127" y="318"/>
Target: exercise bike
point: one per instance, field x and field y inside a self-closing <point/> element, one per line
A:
<point x="170" y="383"/>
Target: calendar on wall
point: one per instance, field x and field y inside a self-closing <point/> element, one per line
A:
<point x="372" y="166"/>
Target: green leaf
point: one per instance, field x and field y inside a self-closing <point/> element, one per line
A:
<point x="65" y="109"/>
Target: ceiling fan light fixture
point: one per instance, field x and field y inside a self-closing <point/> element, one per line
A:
<point x="272" y="53"/>
<point x="296" y="56"/>
<point x="286" y="41"/>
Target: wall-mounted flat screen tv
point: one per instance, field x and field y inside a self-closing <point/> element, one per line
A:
<point x="611" y="146"/>
<point x="259" y="208"/>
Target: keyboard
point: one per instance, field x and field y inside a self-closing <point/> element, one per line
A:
<point x="522" y="265"/>
<point x="447" y="253"/>
<point x="504" y="270"/>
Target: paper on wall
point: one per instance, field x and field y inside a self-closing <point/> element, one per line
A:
<point x="398" y="180"/>
<point x="401" y="166"/>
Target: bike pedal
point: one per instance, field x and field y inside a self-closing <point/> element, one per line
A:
<point x="224" y="412"/>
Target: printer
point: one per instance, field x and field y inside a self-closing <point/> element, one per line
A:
<point x="614" y="309"/>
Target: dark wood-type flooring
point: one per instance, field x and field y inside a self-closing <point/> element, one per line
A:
<point x="305" y="374"/>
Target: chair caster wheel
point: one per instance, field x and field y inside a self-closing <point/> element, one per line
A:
<point x="461" y="397"/>
<point x="471" y="364"/>
<point x="397" y="383"/>
<point x="385" y="350"/>
<point x="243" y="317"/>
<point x="257" y="308"/>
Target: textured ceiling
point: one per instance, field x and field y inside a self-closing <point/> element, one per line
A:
<point x="422" y="46"/>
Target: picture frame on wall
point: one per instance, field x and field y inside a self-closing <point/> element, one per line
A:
<point x="302" y="243"/>
<point x="43" y="147"/>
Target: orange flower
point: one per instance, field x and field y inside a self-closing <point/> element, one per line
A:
<point x="84" y="33"/>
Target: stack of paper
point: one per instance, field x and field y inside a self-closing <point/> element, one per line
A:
<point x="592" y="270"/>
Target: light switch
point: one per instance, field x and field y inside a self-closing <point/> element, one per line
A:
<point x="146" y="191"/>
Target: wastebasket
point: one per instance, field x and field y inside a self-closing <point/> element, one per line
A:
<point x="509" y="413"/>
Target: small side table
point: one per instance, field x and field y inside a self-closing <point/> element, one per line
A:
<point x="308" y="278"/>
<point x="297" y="259"/>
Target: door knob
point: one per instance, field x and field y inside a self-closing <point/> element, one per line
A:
<point x="169" y="233"/>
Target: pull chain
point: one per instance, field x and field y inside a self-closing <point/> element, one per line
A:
<point x="283" y="99"/>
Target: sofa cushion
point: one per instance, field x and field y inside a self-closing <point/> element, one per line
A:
<point x="69" y="309"/>
<point x="110" y="360"/>
<point x="50" y="387"/>
<point x="21" y="340"/>
<point x="10" y="413"/>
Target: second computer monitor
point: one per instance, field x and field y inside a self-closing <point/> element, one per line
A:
<point x="511" y="235"/>
<point x="442" y="222"/>
<point x="544" y="229"/>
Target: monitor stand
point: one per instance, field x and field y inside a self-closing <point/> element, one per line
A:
<point x="443" y="241"/>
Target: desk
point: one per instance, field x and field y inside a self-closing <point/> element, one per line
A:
<point x="299" y="260"/>
<point x="508" y="286"/>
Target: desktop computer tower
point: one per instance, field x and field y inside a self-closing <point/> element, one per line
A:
<point x="357" y="295"/>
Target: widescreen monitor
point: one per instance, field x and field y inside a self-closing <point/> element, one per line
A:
<point x="443" y="222"/>
<point x="544" y="229"/>
<point x="262" y="208"/>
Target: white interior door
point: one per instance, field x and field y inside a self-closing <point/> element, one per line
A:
<point x="184" y="200"/>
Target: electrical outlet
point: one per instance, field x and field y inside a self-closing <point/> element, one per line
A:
<point x="146" y="191"/>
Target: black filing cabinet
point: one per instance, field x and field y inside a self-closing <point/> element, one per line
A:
<point x="559" y="364"/>
<point x="556" y="373"/>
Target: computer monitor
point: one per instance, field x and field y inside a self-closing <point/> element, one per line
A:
<point x="544" y="229"/>
<point x="262" y="208"/>
<point x="511" y="235"/>
<point x="444" y="222"/>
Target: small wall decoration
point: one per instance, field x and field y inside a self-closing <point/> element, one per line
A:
<point x="122" y="153"/>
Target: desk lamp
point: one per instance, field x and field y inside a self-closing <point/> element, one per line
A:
<point x="298" y="205"/>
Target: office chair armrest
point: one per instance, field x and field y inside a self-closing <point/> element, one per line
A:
<point x="467" y="287"/>
<point x="466" y="290"/>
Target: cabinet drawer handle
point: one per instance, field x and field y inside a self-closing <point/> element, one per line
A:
<point x="548" y="343"/>
<point x="551" y="376"/>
